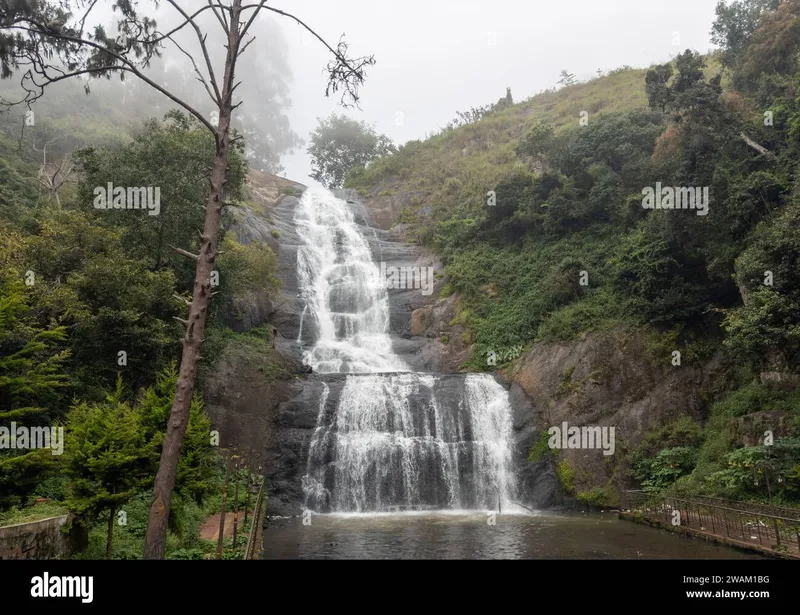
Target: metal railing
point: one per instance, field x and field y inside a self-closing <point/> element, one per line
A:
<point x="257" y="523"/>
<point x="769" y="509"/>
<point x="738" y="521"/>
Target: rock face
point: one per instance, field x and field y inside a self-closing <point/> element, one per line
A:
<point x="273" y="420"/>
<point x="608" y="379"/>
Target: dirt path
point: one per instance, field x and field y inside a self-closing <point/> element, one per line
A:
<point x="210" y="528"/>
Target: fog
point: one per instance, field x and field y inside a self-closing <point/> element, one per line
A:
<point x="434" y="57"/>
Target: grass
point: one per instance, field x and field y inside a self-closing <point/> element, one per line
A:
<point x="35" y="512"/>
<point x="483" y="152"/>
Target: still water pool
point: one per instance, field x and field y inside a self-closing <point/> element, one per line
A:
<point x="469" y="535"/>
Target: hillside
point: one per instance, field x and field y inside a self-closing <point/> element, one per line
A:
<point x="657" y="322"/>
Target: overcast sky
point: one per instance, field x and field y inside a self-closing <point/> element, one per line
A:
<point x="434" y="57"/>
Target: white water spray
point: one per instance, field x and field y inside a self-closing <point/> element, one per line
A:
<point x="399" y="440"/>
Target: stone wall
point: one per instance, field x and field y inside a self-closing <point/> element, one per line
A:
<point x="36" y="540"/>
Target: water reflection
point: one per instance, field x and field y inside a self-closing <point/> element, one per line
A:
<point x="470" y="535"/>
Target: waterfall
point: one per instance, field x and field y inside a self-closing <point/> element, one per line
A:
<point x="396" y="439"/>
<point x="343" y="291"/>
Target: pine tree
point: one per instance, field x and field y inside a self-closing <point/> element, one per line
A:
<point x="30" y="372"/>
<point x="109" y="458"/>
<point x="195" y="466"/>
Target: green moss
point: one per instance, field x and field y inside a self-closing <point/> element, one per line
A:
<point x="566" y="386"/>
<point x="599" y="496"/>
<point x="446" y="291"/>
<point x="275" y="233"/>
<point x="36" y="512"/>
<point x="289" y="190"/>
<point x="566" y="476"/>
<point x="253" y="347"/>
<point x="540" y="448"/>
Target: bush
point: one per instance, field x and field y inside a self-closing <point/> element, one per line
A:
<point x="566" y="476"/>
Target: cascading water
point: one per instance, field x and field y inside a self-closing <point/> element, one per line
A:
<point x="343" y="290"/>
<point x="397" y="439"/>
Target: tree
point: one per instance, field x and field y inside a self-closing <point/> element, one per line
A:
<point x="735" y="24"/>
<point x="504" y="102"/>
<point x="30" y="372"/>
<point x="340" y="144"/>
<point x="108" y="299"/>
<point x="537" y="144"/>
<point x="764" y="331"/>
<point x="153" y="407"/>
<point x="655" y="84"/>
<point x="567" y="78"/>
<point x="109" y="459"/>
<point x="49" y="53"/>
<point x="773" y="48"/>
<point x="176" y="155"/>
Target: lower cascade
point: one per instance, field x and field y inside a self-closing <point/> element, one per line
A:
<point x="396" y="439"/>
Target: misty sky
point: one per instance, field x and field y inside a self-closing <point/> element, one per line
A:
<point x="434" y="57"/>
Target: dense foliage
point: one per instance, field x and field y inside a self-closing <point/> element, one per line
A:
<point x="88" y="337"/>
<point x="539" y="214"/>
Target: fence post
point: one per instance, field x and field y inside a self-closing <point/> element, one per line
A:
<point x="777" y="532"/>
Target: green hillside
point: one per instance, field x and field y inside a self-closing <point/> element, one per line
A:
<point x="540" y="221"/>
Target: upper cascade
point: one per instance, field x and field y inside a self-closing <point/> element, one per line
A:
<point x="343" y="290"/>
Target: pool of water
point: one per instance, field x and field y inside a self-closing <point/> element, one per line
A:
<point x="476" y="535"/>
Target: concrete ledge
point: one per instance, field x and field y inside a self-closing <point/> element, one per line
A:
<point x="41" y="539"/>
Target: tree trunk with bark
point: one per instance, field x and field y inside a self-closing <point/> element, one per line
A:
<point x="156" y="537"/>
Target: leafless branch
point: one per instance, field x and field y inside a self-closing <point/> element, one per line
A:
<point x="213" y="95"/>
<point x="203" y="47"/>
<point x="342" y="72"/>
<point x="183" y="252"/>
<point x="40" y="66"/>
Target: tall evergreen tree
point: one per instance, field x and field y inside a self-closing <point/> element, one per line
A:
<point x="30" y="373"/>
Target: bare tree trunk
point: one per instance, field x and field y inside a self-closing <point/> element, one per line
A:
<point x="221" y="537"/>
<point x="110" y="537"/>
<point x="759" y="148"/>
<point x="156" y="536"/>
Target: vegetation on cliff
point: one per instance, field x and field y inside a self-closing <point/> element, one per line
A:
<point x="538" y="212"/>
